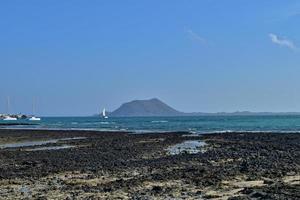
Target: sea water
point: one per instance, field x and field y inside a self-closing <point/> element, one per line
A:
<point x="200" y="124"/>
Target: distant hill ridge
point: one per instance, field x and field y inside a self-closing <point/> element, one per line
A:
<point x="151" y="107"/>
<point x="155" y="107"/>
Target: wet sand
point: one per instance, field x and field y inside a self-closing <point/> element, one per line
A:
<point x="114" y="165"/>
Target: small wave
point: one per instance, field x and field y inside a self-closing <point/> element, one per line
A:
<point x="159" y="121"/>
<point x="88" y="123"/>
<point x="56" y="124"/>
<point x="104" y="122"/>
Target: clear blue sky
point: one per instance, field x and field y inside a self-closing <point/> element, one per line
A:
<point x="76" y="57"/>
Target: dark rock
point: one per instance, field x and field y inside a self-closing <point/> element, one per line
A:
<point x="157" y="189"/>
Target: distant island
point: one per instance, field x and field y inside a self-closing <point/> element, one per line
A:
<point x="151" y="107"/>
<point x="155" y="107"/>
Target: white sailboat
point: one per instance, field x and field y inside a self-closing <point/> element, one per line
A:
<point x="8" y="117"/>
<point x="34" y="118"/>
<point x="104" y="114"/>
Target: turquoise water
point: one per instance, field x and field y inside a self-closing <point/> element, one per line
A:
<point x="201" y="124"/>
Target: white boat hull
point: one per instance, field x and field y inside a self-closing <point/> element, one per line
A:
<point x="10" y="119"/>
<point x="34" y="119"/>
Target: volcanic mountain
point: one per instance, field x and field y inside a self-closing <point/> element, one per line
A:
<point x="151" y="107"/>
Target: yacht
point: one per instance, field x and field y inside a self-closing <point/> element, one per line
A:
<point x="9" y="118"/>
<point x="104" y="114"/>
<point x="33" y="117"/>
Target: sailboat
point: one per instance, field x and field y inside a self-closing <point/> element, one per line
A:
<point x="34" y="118"/>
<point x="8" y="117"/>
<point x="104" y="114"/>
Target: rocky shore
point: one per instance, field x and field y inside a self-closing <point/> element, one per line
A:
<point x="116" y="165"/>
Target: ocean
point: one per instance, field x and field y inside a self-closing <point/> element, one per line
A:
<point x="201" y="124"/>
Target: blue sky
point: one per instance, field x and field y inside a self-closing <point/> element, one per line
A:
<point x="76" y="57"/>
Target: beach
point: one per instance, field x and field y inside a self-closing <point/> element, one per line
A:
<point x="56" y="164"/>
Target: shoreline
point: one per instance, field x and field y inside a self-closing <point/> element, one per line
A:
<point x="146" y="131"/>
<point x="110" y="165"/>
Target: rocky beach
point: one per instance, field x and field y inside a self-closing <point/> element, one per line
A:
<point x="53" y="164"/>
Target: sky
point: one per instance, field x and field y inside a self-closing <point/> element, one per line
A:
<point x="76" y="57"/>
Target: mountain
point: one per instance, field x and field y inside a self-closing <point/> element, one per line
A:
<point x="155" y="107"/>
<point x="151" y="107"/>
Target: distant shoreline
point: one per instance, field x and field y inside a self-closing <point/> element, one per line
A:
<point x="147" y="131"/>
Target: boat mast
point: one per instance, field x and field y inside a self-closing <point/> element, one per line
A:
<point x="33" y="107"/>
<point x="7" y="105"/>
